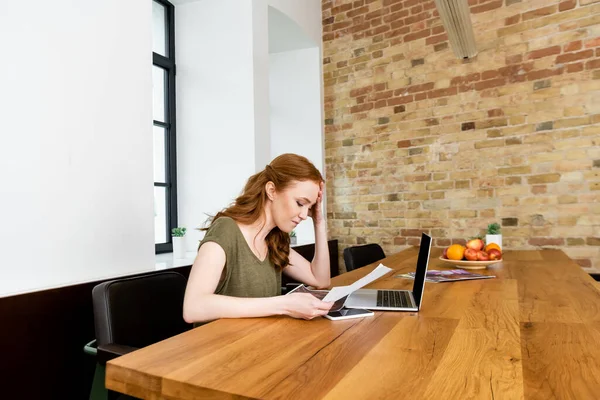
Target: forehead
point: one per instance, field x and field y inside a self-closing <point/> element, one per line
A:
<point x="308" y="189"/>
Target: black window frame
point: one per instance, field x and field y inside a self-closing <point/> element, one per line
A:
<point x="168" y="64"/>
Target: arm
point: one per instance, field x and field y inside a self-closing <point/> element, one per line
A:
<point x="201" y="304"/>
<point x="317" y="272"/>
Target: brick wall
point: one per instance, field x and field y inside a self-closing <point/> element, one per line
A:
<point x="418" y="140"/>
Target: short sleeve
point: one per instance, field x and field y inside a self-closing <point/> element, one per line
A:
<point x="222" y="232"/>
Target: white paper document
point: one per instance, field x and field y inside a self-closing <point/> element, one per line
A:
<point x="338" y="292"/>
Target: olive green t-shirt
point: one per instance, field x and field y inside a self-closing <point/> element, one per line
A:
<point x="244" y="274"/>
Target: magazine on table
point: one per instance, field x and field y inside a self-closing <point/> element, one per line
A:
<point x="452" y="275"/>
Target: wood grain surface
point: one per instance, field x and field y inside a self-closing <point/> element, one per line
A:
<point x="531" y="333"/>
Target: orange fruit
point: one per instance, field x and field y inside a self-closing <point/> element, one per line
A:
<point x="455" y="252"/>
<point x="492" y="246"/>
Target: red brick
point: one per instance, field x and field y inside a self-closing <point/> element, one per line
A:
<point x="490" y="75"/>
<point x="381" y="95"/>
<point x="419" y="88"/>
<point x="403" y="143"/>
<point x="327" y="37"/>
<point x="593" y="64"/>
<point x="360" y="27"/>
<point x="436" y="30"/>
<point x="397" y="32"/>
<point x="492" y="5"/>
<point x="378" y="30"/>
<point x="358" y="3"/>
<point x="573" y="46"/>
<point x="399" y="24"/>
<point x="361" y="108"/>
<point x="512" y="20"/>
<point x="417" y="35"/>
<point x="548" y="51"/>
<point x="517" y="58"/>
<point x="416" y="9"/>
<point x="399" y="241"/>
<point x="567" y="5"/>
<point x="395" y="16"/>
<point x="400" y="100"/>
<point x="543" y="73"/>
<point x="565" y="58"/>
<point x="436" y="39"/>
<point x="380" y="86"/>
<point x="416" y="18"/>
<point x="540" y="12"/>
<point x="411" y="232"/>
<point x="357" y="11"/>
<point x="490" y="83"/>
<point x="451" y="91"/>
<point x="388" y="2"/>
<point x="341" y="9"/>
<point x="410" y="3"/>
<point x="542" y="241"/>
<point x="592" y="43"/>
<point x="465" y="79"/>
<point x="360" y="91"/>
<point x="420" y="96"/>
<point x="376" y="13"/>
<point x="341" y="25"/>
<point x="380" y="103"/>
<point x="496" y="112"/>
<point x="576" y="67"/>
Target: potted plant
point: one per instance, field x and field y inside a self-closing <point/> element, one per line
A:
<point x="178" y="242"/>
<point x="293" y="238"/>
<point x="493" y="234"/>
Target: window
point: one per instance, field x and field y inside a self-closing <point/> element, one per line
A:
<point x="163" y="99"/>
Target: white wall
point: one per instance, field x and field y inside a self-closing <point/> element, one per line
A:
<point x="215" y="107"/>
<point x="296" y="111"/>
<point x="223" y="107"/>
<point x="76" y="153"/>
<point x="295" y="85"/>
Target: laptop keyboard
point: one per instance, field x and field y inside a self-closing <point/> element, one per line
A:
<point x="393" y="298"/>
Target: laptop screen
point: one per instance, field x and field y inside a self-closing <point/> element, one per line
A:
<point x="422" y="263"/>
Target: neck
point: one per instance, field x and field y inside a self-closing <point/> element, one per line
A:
<point x="260" y="228"/>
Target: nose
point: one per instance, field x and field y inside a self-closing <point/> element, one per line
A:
<point x="304" y="213"/>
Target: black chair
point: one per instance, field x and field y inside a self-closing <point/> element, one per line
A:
<point x="131" y="313"/>
<point x="359" y="256"/>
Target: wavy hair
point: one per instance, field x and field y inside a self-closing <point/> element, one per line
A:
<point x="249" y="206"/>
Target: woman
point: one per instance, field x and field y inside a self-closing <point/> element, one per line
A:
<point x="237" y="272"/>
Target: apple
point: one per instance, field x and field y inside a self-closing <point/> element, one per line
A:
<point x="483" y="256"/>
<point x="445" y="253"/>
<point x="475" y="244"/>
<point x="471" y="254"/>
<point x="495" y="254"/>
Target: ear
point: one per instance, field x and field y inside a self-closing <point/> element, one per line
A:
<point x="271" y="191"/>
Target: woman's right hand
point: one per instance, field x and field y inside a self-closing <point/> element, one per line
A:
<point x="305" y="305"/>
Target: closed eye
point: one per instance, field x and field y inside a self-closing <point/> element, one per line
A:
<point x="299" y="204"/>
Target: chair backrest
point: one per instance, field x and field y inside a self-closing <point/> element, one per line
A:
<point x="139" y="311"/>
<point x="359" y="256"/>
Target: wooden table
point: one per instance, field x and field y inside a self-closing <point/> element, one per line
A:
<point x="534" y="332"/>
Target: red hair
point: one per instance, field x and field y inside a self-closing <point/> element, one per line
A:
<point x="249" y="206"/>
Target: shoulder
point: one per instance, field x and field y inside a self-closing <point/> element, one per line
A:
<point x="222" y="223"/>
<point x="223" y="230"/>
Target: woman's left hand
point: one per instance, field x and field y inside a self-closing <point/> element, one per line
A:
<point x="316" y="211"/>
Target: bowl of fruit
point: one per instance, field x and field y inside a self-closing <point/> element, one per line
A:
<point x="475" y="255"/>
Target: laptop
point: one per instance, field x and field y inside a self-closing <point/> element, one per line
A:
<point x="396" y="300"/>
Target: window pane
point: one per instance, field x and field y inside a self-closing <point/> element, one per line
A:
<point x="158" y="93"/>
<point x="159" y="154"/>
<point x="160" y="214"/>
<point x="159" y="29"/>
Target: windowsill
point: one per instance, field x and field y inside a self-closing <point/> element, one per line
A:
<point x="167" y="261"/>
